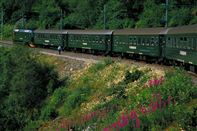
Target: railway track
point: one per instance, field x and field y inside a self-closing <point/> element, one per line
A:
<point x="95" y="58"/>
<point x="6" y="43"/>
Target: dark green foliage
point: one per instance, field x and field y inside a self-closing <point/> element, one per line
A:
<point x="75" y="98"/>
<point x="101" y="65"/>
<point x="132" y="76"/>
<point x="90" y="13"/>
<point x="151" y="16"/>
<point x="49" y="109"/>
<point x="119" y="89"/>
<point x="24" y="84"/>
<point x="159" y="119"/>
<point x="179" y="86"/>
<point x="187" y="118"/>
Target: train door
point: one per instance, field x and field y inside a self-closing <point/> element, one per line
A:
<point x="108" y="41"/>
<point x="162" y="45"/>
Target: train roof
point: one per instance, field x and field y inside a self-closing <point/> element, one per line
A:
<point x="95" y="32"/>
<point x="140" y="31"/>
<point x="92" y="32"/>
<point x="189" y="29"/>
<point x="23" y="30"/>
<point x="51" y="31"/>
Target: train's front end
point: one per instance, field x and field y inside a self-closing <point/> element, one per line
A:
<point x="22" y="36"/>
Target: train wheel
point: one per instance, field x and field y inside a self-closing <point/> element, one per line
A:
<point x="122" y="55"/>
<point x="93" y="52"/>
<point x="75" y="50"/>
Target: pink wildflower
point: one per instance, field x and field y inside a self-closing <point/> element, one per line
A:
<point x="123" y="121"/>
<point x="133" y="114"/>
<point x="137" y="123"/>
<point x="143" y="110"/>
<point x="106" y="129"/>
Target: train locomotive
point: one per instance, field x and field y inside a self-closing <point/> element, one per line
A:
<point x="174" y="45"/>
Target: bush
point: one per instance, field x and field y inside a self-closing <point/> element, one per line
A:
<point x="178" y="85"/>
<point x="132" y="76"/>
<point x="101" y="65"/>
<point x="7" y="31"/>
<point x="75" y="98"/>
<point x="49" y="111"/>
<point x="24" y="85"/>
<point x="186" y="118"/>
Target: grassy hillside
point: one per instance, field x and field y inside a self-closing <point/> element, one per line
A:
<point x="111" y="95"/>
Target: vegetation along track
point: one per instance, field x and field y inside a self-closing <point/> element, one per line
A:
<point x="95" y="58"/>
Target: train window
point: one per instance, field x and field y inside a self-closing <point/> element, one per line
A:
<point x="130" y="38"/>
<point x="147" y="41"/>
<point x="143" y="41"/>
<point x="93" y="40"/>
<point x="134" y="40"/>
<point x="152" y="41"/>
<point x="174" y="43"/>
<point x="139" y="41"/>
<point x="169" y="44"/>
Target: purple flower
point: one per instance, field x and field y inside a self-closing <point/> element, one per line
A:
<point x="123" y="121"/>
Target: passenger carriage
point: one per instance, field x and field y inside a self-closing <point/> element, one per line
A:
<point x="140" y="42"/>
<point x="50" y="38"/>
<point x="95" y="40"/>
<point x="181" y="45"/>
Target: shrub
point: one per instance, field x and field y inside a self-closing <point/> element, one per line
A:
<point x="49" y="110"/>
<point x="7" y="31"/>
<point x="101" y="65"/>
<point x="24" y="85"/>
<point x="132" y="76"/>
<point x="186" y="118"/>
<point x="179" y="85"/>
<point x="75" y="98"/>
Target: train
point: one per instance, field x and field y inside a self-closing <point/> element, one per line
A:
<point x="173" y="45"/>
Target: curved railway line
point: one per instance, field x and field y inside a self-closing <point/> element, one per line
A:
<point x="95" y="58"/>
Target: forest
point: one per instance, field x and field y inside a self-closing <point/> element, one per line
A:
<point x="97" y="14"/>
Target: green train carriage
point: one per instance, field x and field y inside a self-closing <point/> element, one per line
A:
<point x="95" y="40"/>
<point x="146" y="42"/>
<point x="181" y="45"/>
<point x="50" y="38"/>
<point x="22" y="36"/>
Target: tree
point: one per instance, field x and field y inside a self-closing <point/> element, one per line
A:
<point x="116" y="16"/>
<point x="152" y="15"/>
<point x="24" y="85"/>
